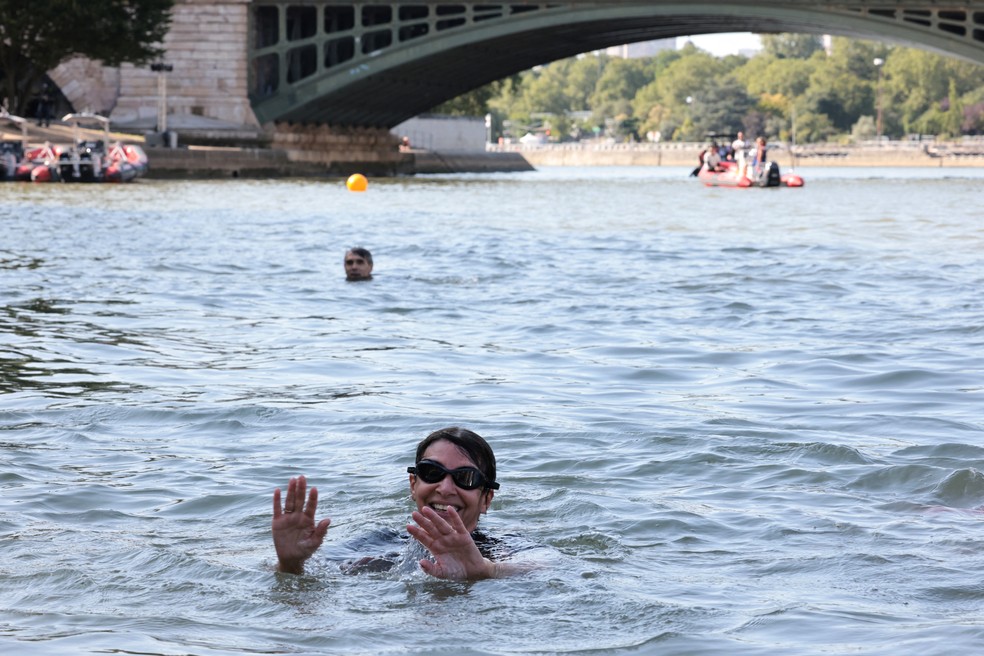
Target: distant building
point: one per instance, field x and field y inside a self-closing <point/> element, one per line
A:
<point x="641" y="49"/>
<point x="444" y="133"/>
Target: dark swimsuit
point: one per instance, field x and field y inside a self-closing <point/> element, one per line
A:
<point x="395" y="543"/>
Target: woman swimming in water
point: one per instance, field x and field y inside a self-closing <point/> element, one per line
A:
<point x="452" y="482"/>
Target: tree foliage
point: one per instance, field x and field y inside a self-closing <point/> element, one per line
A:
<point x="475" y="102"/>
<point x="793" y="89"/>
<point x="791" y="46"/>
<point x="617" y="85"/>
<point x="37" y="36"/>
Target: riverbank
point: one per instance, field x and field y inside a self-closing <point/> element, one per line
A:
<point x="887" y="154"/>
<point x="210" y="152"/>
<point x="218" y="152"/>
<point x="218" y="162"/>
<point x="215" y="161"/>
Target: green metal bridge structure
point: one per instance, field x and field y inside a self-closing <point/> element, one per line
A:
<point x="377" y="64"/>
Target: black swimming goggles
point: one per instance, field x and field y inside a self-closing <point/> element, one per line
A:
<point x="467" y="478"/>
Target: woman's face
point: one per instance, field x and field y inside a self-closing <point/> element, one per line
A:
<point x="469" y="504"/>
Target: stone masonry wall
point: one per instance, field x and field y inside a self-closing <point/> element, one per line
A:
<point x="208" y="88"/>
<point x="206" y="46"/>
<point x="88" y="85"/>
<point x="340" y="149"/>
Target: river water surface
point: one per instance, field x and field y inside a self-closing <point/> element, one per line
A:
<point x="730" y="421"/>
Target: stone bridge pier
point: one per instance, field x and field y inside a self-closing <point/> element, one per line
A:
<point x="208" y="100"/>
<point x="207" y="86"/>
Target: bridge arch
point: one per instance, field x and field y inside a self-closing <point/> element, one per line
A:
<point x="379" y="64"/>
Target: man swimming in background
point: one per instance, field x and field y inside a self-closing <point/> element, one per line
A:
<point x="358" y="264"/>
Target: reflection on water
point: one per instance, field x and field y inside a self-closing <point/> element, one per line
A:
<point x="40" y="364"/>
<point x="729" y="421"/>
<point x="18" y="263"/>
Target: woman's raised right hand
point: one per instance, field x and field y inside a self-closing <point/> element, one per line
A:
<point x="296" y="535"/>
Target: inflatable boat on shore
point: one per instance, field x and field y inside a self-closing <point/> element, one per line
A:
<point x="86" y="160"/>
<point x="11" y="150"/>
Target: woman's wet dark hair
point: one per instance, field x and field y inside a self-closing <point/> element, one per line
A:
<point x="471" y="443"/>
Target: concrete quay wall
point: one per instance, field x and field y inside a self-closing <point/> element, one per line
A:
<point x="211" y="162"/>
<point x="804" y="156"/>
<point x="291" y="161"/>
<point x="376" y="151"/>
<point x="197" y="163"/>
<point x="432" y="161"/>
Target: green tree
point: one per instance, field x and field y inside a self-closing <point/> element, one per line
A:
<point x="693" y="75"/>
<point x="953" y="117"/>
<point x="812" y="127"/>
<point x="720" y="108"/>
<point x="929" y="122"/>
<point x="582" y="78"/>
<point x="618" y="84"/>
<point x="544" y="89"/>
<point x="856" y="57"/>
<point x="791" y="46"/>
<point x="508" y="95"/>
<point x="766" y="74"/>
<point x="648" y="106"/>
<point x="825" y="96"/>
<point x="773" y="83"/>
<point x="864" y="129"/>
<point x="843" y="88"/>
<point x="974" y="111"/>
<point x="840" y="96"/>
<point x="916" y="82"/>
<point x="777" y="111"/>
<point x="475" y="102"/>
<point x="37" y="36"/>
<point x="627" y="128"/>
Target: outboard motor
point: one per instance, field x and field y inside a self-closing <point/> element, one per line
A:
<point x="8" y="166"/>
<point x="90" y="164"/>
<point x="11" y="153"/>
<point x="68" y="166"/>
<point x="83" y="164"/>
<point x="772" y="178"/>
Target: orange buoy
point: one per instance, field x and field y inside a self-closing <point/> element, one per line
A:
<point x="357" y="182"/>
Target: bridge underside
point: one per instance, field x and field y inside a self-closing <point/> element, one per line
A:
<point x="378" y="65"/>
